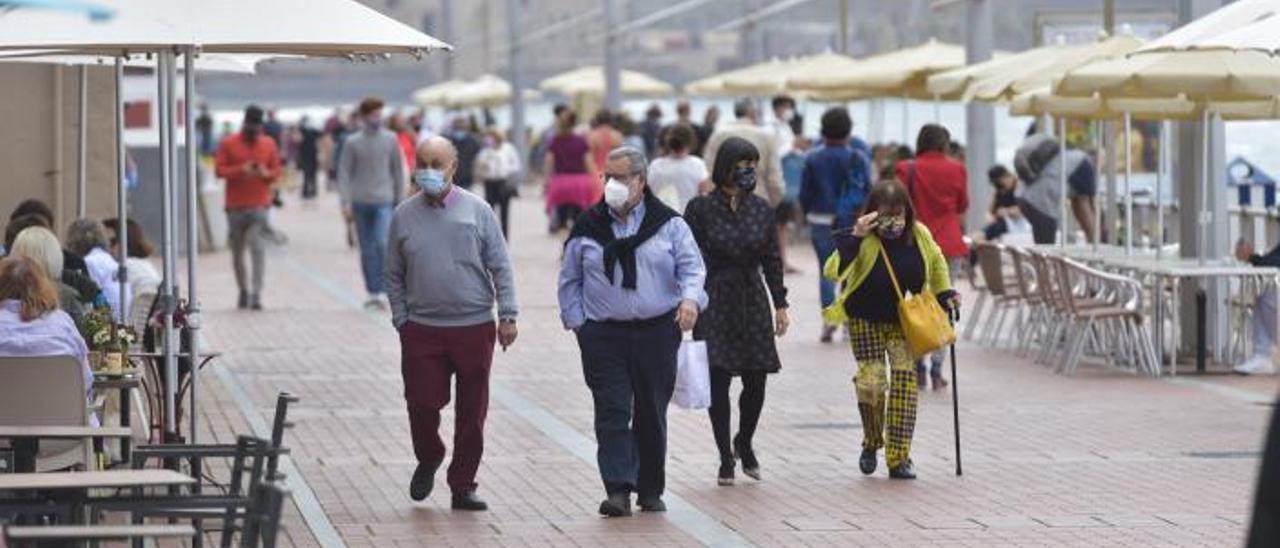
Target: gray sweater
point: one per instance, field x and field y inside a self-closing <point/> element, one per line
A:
<point x="446" y="266"/>
<point x="371" y="168"/>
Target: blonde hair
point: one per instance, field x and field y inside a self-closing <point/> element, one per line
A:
<point x="40" y="245"/>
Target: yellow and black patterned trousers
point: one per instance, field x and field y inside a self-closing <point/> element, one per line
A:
<point x="874" y="345"/>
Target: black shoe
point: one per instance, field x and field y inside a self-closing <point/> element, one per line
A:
<point x="469" y="501"/>
<point x="868" y="462"/>
<point x="750" y="466"/>
<point x="424" y="479"/>
<point x="255" y="302"/>
<point x="243" y="302"/>
<point x="618" y="505"/>
<point x="906" y="470"/>
<point x="727" y="465"/>
<point x="651" y="504"/>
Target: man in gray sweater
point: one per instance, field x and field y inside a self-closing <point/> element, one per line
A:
<point x="371" y="180"/>
<point x="447" y="264"/>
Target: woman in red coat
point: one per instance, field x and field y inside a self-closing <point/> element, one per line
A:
<point x="939" y="192"/>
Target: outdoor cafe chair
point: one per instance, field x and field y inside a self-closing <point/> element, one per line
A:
<point x="1105" y="314"/>
<point x="1003" y="288"/>
<point x="48" y="391"/>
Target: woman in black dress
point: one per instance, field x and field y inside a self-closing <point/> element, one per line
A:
<point x="735" y="230"/>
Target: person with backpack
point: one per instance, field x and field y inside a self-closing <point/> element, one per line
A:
<point x="1039" y="167"/>
<point x="939" y="189"/>
<point x="833" y="185"/>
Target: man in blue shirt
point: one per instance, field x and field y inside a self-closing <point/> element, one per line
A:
<point x="631" y="281"/>
<point x="835" y="181"/>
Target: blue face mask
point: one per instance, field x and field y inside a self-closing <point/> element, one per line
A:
<point x="431" y="181"/>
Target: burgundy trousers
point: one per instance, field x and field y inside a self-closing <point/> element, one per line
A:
<point x="430" y="357"/>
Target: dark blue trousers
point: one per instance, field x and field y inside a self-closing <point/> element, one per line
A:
<point x="631" y="370"/>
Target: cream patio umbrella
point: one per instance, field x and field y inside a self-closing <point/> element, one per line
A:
<point x="1210" y="30"/>
<point x="777" y="76"/>
<point x="433" y="95"/>
<point x="589" y="82"/>
<point x="900" y="73"/>
<point x="485" y="91"/>
<point x="169" y="28"/>
<point x="1051" y="63"/>
<point x="714" y="86"/>
<point x="959" y="82"/>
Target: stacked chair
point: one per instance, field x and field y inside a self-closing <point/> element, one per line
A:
<point x="1067" y="309"/>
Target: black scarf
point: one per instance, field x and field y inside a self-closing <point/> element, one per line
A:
<point x="597" y="224"/>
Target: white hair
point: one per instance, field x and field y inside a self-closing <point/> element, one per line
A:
<point x="40" y="245"/>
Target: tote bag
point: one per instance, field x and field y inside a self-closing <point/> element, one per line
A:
<point x="693" y="378"/>
<point x="924" y="323"/>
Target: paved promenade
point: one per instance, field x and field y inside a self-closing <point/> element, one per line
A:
<point x="1100" y="459"/>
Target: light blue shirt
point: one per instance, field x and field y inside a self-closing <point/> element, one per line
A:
<point x="669" y="270"/>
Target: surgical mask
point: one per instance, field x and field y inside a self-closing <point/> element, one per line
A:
<point x="745" y="177"/>
<point x="431" y="181"/>
<point x="788" y="115"/>
<point x="373" y="124"/>
<point x="891" y="227"/>
<point x="616" y="194"/>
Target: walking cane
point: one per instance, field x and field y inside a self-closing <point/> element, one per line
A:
<point x="954" y="317"/>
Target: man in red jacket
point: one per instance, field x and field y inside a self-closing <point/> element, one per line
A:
<point x="250" y="164"/>
<point x="940" y="194"/>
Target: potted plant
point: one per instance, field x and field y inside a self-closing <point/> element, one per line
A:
<point x="108" y="341"/>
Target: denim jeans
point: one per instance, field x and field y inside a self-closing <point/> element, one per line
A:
<point x="373" y="225"/>
<point x="823" y="247"/>
<point x="1264" y="323"/>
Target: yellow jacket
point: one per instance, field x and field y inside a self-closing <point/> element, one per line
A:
<point x="936" y="274"/>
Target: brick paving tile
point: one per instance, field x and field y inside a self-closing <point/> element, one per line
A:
<point x="1099" y="459"/>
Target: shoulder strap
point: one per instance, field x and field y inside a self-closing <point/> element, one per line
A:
<point x="888" y="265"/>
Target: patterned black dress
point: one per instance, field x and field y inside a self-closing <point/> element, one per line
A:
<point x="737" y="246"/>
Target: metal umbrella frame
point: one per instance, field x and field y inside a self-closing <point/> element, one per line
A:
<point x="168" y="28"/>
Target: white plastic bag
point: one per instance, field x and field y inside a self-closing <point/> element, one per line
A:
<point x="693" y="379"/>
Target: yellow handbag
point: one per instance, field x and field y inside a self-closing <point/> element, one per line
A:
<point x="924" y="323"/>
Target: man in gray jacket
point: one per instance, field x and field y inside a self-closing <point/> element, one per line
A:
<point x="447" y="264"/>
<point x="371" y="180"/>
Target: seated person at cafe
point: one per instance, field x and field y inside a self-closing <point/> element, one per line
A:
<point x="77" y="277"/>
<point x="40" y="245"/>
<point x="1264" y="314"/>
<point x="143" y="276"/>
<point x="88" y="239"/>
<point x="30" y="322"/>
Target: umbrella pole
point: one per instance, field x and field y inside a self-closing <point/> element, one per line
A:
<point x="193" y="241"/>
<point x="1097" y="211"/>
<point x="122" y="189"/>
<point x="1201" y="238"/>
<point x="1164" y="136"/>
<point x="906" y="120"/>
<point x="1128" y="190"/>
<point x="82" y="154"/>
<point x="1062" y="181"/>
<point x="164" y="63"/>
<point x="937" y="109"/>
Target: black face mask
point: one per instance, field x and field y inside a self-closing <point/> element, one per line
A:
<point x="250" y="132"/>
<point x="745" y="177"/>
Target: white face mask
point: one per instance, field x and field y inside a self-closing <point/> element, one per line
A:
<point x="616" y="194"/>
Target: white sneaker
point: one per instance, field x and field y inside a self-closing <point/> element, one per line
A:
<point x="376" y="302"/>
<point x="1257" y="365"/>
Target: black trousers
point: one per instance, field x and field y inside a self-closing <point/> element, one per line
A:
<point x="498" y="194"/>
<point x="1265" y="528"/>
<point x="750" y="404"/>
<point x="631" y="370"/>
<point x="1044" y="229"/>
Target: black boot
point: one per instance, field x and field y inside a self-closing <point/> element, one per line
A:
<point x="750" y="466"/>
<point x="868" y="462"/>
<point x="727" y="464"/>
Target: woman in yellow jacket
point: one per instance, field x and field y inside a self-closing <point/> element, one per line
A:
<point x="868" y="303"/>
